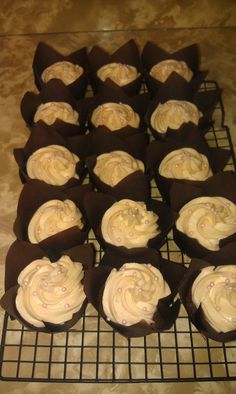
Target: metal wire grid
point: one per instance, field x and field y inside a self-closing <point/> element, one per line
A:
<point x="93" y="352"/>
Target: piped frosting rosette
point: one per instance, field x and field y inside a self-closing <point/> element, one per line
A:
<point x="135" y="295"/>
<point x="51" y="217"/>
<point x="208" y="292"/>
<point x="123" y="67"/>
<point x="55" y="106"/>
<point x="207" y="214"/>
<point x="71" y="69"/>
<point x="115" y="110"/>
<point x="190" y="161"/>
<point x="128" y="225"/>
<point x="49" y="157"/>
<point x="159" y="65"/>
<point x="42" y="294"/>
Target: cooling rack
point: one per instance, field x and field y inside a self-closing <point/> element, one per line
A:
<point x="93" y="352"/>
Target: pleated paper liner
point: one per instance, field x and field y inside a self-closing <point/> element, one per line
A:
<point x="167" y="308"/>
<point x="195" y="314"/>
<point x="46" y="56"/>
<point x="96" y="204"/>
<point x="21" y="254"/>
<point x="222" y="184"/>
<point x="33" y="195"/>
<point x="42" y="136"/>
<point x="112" y="93"/>
<point x="158" y="150"/>
<point x="178" y="89"/>
<point x="56" y="91"/>
<point x="127" y="54"/>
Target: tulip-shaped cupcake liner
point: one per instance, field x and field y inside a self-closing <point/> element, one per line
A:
<point x="167" y="307"/>
<point x="196" y="314"/>
<point x="222" y="184"/>
<point x="179" y="90"/>
<point x="127" y="54"/>
<point x="96" y="205"/>
<point x="153" y="54"/>
<point x="102" y="140"/>
<point x="55" y="91"/>
<point x="43" y="136"/>
<point x="36" y="193"/>
<point x="45" y="56"/>
<point x="112" y="93"/>
<point x="158" y="150"/>
<point x="19" y="256"/>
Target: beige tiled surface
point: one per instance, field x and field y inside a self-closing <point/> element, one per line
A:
<point x="212" y="24"/>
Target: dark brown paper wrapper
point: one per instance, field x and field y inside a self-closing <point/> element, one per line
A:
<point x="158" y="150"/>
<point x="19" y="256"/>
<point x="45" y="56"/>
<point x="96" y="204"/>
<point x="167" y="308"/>
<point x="33" y="195"/>
<point x="221" y="184"/>
<point x="197" y="315"/>
<point x="126" y="54"/>
<point x="111" y="93"/>
<point x="42" y="136"/>
<point x="134" y="141"/>
<point x="56" y="91"/>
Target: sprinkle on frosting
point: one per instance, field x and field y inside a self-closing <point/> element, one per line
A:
<point x="65" y="71"/>
<point x="45" y="295"/>
<point x="115" y="116"/>
<point x="53" y="217"/>
<point x="121" y="74"/>
<point x="215" y="290"/>
<point x="132" y="293"/>
<point x="53" y="164"/>
<point x="51" y="111"/>
<point x="112" y="167"/>
<point x="162" y="70"/>
<point x="128" y="223"/>
<point x="172" y="114"/>
<point x="208" y="220"/>
<point x="185" y="163"/>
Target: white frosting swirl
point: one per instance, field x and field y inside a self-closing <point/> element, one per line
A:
<point x="128" y="223"/>
<point x="53" y="164"/>
<point x="112" y="167"/>
<point x="215" y="290"/>
<point x="162" y="70"/>
<point x="172" y="114"/>
<point x="115" y="116"/>
<point x="185" y="163"/>
<point x="53" y="217"/>
<point x="51" y="111"/>
<point x="50" y="292"/>
<point x="132" y="293"/>
<point x="121" y="74"/>
<point x="65" y="71"/>
<point x="208" y="219"/>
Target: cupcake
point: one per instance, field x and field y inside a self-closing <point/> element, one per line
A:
<point x="55" y="105"/>
<point x="127" y="225"/>
<point x="207" y="214"/>
<point x="190" y="161"/>
<point x="71" y="69"/>
<point x="46" y="295"/>
<point x="123" y="67"/>
<point x="51" y="158"/>
<point x="115" y="110"/>
<point x="135" y="295"/>
<point x="51" y="217"/>
<point x="208" y="294"/>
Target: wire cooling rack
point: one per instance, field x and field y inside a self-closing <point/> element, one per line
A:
<point x="93" y="352"/>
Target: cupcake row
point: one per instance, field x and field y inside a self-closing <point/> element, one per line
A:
<point x="133" y="288"/>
